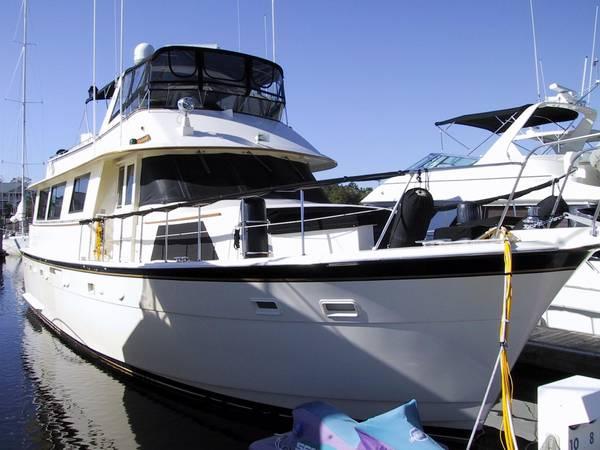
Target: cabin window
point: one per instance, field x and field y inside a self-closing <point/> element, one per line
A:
<point x="129" y="185"/>
<point x="125" y="186"/>
<point x="80" y="186"/>
<point x="56" y="199"/>
<point x="42" y="204"/>
<point x="176" y="178"/>
<point x="120" y="186"/>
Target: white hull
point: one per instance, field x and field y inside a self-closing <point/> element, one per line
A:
<point x="12" y="245"/>
<point x="433" y="339"/>
<point x="478" y="182"/>
<point x="577" y="305"/>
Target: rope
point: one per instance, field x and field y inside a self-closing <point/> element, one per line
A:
<point x="507" y="437"/>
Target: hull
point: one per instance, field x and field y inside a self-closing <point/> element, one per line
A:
<point x="14" y="244"/>
<point x="475" y="182"/>
<point x="577" y="305"/>
<point x="431" y="337"/>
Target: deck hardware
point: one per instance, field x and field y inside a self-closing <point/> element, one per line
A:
<point x="266" y="307"/>
<point x="339" y="308"/>
<point x="261" y="137"/>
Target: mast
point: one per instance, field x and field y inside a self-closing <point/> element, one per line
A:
<point x="24" y="111"/>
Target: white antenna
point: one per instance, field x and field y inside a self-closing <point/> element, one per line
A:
<point x="265" y="27"/>
<point x="593" y="60"/>
<point x="121" y="78"/>
<point x="537" y="74"/>
<point x="239" y="27"/>
<point x="115" y="8"/>
<point x="585" y="61"/>
<point x="24" y="111"/>
<point x="94" y="73"/>
<point x="273" y="26"/>
<point x="543" y="79"/>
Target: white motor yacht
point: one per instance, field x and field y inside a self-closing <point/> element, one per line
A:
<point x="553" y="135"/>
<point x="186" y="244"/>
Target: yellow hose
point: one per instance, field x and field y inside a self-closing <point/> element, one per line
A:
<point x="508" y="435"/>
<point x="99" y="239"/>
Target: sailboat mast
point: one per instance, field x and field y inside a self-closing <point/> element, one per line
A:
<point x="24" y="111"/>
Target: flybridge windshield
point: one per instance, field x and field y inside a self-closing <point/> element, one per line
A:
<point x="216" y="80"/>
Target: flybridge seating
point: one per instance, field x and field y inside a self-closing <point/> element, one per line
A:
<point x="215" y="79"/>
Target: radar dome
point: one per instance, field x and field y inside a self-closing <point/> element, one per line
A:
<point x="141" y="52"/>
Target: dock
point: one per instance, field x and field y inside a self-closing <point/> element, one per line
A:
<point x="561" y="350"/>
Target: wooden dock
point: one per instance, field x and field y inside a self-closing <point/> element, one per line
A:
<point x="565" y="351"/>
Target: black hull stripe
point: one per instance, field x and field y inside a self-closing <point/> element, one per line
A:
<point x="398" y="269"/>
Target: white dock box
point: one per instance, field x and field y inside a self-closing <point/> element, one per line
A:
<point x="569" y="414"/>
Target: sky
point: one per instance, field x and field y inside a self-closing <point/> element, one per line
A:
<point x="365" y="80"/>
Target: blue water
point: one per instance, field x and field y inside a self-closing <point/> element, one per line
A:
<point x="52" y="398"/>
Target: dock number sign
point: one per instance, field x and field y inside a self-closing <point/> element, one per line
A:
<point x="584" y="436"/>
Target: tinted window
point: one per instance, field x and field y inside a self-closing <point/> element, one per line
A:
<point x="224" y="67"/>
<point x="56" y="200"/>
<point x="172" y="178"/>
<point x="129" y="185"/>
<point x="120" y="186"/>
<point x="216" y="80"/>
<point x="80" y="186"/>
<point x="42" y="204"/>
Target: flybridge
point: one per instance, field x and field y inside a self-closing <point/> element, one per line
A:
<point x="215" y="79"/>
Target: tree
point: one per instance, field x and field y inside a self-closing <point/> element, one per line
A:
<point x="346" y="193"/>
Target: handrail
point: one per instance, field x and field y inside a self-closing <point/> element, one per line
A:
<point x="292" y="187"/>
<point x="570" y="169"/>
<point x="524" y="163"/>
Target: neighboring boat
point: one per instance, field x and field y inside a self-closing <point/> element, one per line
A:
<point x="151" y="248"/>
<point x="15" y="240"/>
<point x="554" y="132"/>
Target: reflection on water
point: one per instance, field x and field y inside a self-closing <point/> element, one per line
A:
<point x="50" y="397"/>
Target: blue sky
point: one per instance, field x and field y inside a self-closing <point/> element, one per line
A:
<point x="365" y="80"/>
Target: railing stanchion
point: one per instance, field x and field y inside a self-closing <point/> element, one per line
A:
<point x="91" y="228"/>
<point x="302" y="220"/>
<point x="141" y="237"/>
<point x="80" y="237"/>
<point x="166" y="236"/>
<point x="596" y="213"/>
<point x="199" y="241"/>
<point x="120" y="238"/>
